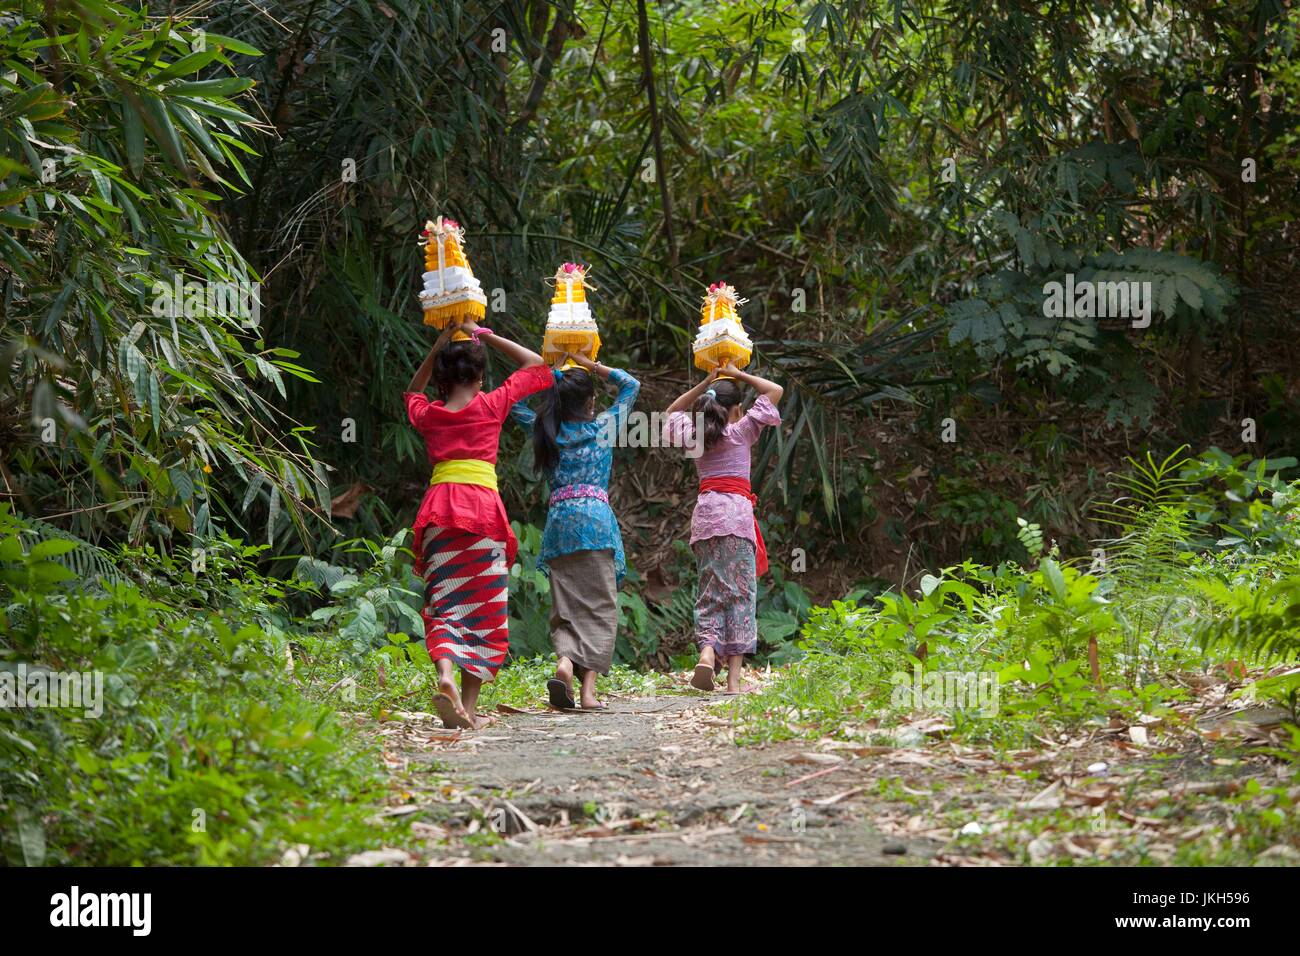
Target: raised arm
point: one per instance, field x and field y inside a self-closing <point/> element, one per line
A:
<point x="628" y="389"/>
<point x="595" y="368"/>
<point x="524" y="358"/>
<point x="420" y="381"/>
<point x="770" y="390"/>
<point x="628" y="386"/>
<point x="688" y="397"/>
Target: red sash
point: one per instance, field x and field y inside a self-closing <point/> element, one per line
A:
<point x="735" y="485"/>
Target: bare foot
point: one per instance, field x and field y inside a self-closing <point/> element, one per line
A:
<point x="589" y="701"/>
<point x="736" y="674"/>
<point x="702" y="679"/>
<point x="447" y="685"/>
<point x="706" y="670"/>
<point x="447" y="689"/>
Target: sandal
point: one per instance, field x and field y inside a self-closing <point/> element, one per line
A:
<point x="559" y="696"/>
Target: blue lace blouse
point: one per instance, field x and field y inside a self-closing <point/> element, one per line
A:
<point x="586" y="457"/>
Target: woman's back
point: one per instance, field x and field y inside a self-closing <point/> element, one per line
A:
<point x="730" y="454"/>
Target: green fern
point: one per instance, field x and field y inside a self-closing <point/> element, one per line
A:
<point x="1262" y="622"/>
<point x="673" y="617"/>
<point x="1152" y="517"/>
<point x="91" y="565"/>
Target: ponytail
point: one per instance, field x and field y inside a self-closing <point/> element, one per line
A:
<point x="565" y="401"/>
<point x="714" y="408"/>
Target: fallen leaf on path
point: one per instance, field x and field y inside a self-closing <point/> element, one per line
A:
<point x="1092" y="798"/>
<point x="1279" y="855"/>
<point x="814" y="758"/>
<point x="752" y="839"/>
<point x="507" y="709"/>
<point x="930" y="726"/>
<point x="703" y="762"/>
<point x="911" y="756"/>
<point x="522" y="817"/>
<point x="1046" y="799"/>
<point x="1141" y="820"/>
<point x="1075" y="850"/>
<point x="836" y="798"/>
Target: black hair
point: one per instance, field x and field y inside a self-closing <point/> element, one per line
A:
<point x="568" y="400"/>
<point x="458" y="363"/>
<point x="716" y="408"/>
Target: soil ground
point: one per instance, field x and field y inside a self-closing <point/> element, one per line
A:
<point x="650" y="781"/>
<point x="660" y="780"/>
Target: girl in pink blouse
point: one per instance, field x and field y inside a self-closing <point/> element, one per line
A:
<point x="725" y="536"/>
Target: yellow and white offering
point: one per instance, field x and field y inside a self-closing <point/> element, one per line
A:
<point x="570" y="326"/>
<point x="450" y="293"/>
<point x="721" y="337"/>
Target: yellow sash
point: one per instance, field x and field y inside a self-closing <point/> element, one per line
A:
<point x="465" y="471"/>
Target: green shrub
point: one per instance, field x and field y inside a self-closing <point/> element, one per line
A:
<point x="205" y="750"/>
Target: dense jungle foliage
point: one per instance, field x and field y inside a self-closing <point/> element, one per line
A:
<point x="205" y="496"/>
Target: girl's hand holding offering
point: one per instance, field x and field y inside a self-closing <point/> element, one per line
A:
<point x="588" y="364"/>
<point x="580" y="359"/>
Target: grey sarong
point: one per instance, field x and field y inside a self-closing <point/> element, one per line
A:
<point x="584" y="608"/>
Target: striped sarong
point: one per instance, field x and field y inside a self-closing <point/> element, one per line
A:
<point x="465" y="592"/>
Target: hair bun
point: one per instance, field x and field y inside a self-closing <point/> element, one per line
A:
<point x="459" y="363"/>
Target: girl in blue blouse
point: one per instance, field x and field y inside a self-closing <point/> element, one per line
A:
<point x="582" y="550"/>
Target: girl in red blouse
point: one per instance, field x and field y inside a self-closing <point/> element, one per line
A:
<point x="463" y="542"/>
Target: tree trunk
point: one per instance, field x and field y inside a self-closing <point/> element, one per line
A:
<point x="656" y="127"/>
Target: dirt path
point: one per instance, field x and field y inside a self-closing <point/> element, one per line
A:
<point x="651" y="781"/>
<point x="660" y="781"/>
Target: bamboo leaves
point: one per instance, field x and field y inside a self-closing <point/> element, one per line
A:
<point x="120" y="255"/>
